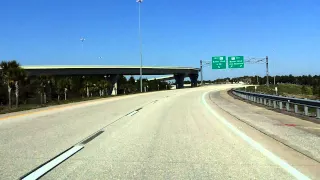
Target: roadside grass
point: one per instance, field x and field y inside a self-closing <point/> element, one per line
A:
<point x="24" y="107"/>
<point x="287" y="90"/>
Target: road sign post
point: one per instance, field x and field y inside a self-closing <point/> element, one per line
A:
<point x="219" y="62"/>
<point x="236" y="62"/>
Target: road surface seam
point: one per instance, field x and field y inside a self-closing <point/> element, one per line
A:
<point x="272" y="157"/>
<point x="274" y="137"/>
<point x="132" y="113"/>
<point x="91" y="137"/>
<point x="49" y="165"/>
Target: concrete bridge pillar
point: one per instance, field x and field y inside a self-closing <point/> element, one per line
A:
<point x="112" y="79"/>
<point x="179" y="80"/>
<point x="194" y="79"/>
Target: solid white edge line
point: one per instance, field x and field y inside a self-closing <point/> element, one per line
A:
<point x="132" y="113"/>
<point x="50" y="165"/>
<point x="275" y="159"/>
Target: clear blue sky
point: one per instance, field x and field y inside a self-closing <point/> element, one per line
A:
<point x="175" y="33"/>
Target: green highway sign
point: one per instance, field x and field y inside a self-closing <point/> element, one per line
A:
<point x="235" y="62"/>
<point x="219" y="62"/>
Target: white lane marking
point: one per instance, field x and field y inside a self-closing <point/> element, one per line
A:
<point x="311" y="127"/>
<point x="275" y="159"/>
<point x="53" y="163"/>
<point x="132" y="113"/>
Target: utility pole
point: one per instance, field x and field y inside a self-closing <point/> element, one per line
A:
<point x="267" y="68"/>
<point x="258" y="80"/>
<point x="201" y="69"/>
<point x="274" y="80"/>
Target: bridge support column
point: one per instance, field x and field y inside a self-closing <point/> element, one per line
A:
<point x="194" y="79"/>
<point x="179" y="80"/>
<point x="112" y="79"/>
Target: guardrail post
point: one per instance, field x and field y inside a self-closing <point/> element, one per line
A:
<point x="280" y="105"/>
<point x="275" y="104"/>
<point x="288" y="106"/>
<point x="296" y="108"/>
<point x="265" y="101"/>
<point x="306" y="112"/>
<point x="254" y="99"/>
<point x="269" y="102"/>
<point x="318" y="113"/>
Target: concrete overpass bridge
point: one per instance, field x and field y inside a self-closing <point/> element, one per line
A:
<point x="113" y="72"/>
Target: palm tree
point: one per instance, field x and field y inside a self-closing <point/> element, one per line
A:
<point x="103" y="86"/>
<point x="93" y="88"/>
<point x="90" y="87"/>
<point x="62" y="86"/>
<point x="42" y="82"/>
<point x="12" y="74"/>
<point x="67" y="86"/>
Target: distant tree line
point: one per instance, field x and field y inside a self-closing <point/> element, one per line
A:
<point x="199" y="82"/>
<point x="310" y="84"/>
<point x="18" y="88"/>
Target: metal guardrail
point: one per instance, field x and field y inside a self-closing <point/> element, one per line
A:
<point x="277" y="102"/>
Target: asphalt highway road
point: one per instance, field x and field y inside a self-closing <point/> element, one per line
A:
<point x="178" y="134"/>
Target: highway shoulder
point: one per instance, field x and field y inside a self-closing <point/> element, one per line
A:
<point x="295" y="146"/>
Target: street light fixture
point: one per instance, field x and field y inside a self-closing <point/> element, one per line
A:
<point x="140" y="1"/>
<point x="82" y="40"/>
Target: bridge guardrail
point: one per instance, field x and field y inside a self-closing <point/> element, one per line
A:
<point x="278" y="101"/>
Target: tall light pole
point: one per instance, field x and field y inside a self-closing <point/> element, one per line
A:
<point x="201" y="70"/>
<point x="82" y="40"/>
<point x="140" y="1"/>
